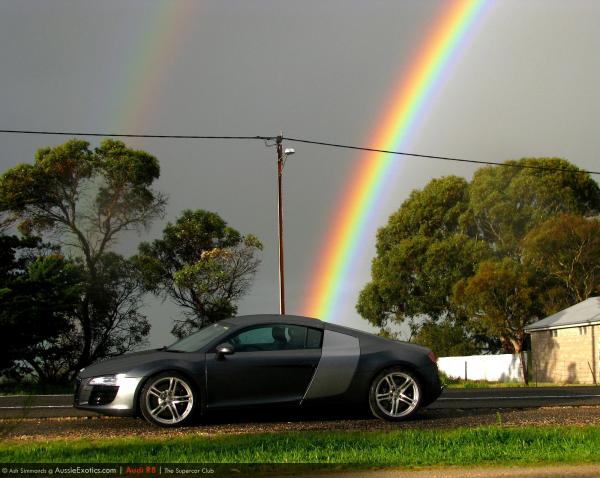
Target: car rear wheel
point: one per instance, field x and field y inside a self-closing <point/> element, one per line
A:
<point x="168" y="400"/>
<point x="395" y="394"/>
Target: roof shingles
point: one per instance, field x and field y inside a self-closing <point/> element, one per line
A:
<point x="584" y="313"/>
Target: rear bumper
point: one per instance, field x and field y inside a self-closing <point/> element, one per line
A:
<point x="432" y="387"/>
<point x="118" y="400"/>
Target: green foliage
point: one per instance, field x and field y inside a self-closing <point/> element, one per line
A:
<point x="41" y="291"/>
<point x="503" y="296"/>
<point x="434" y="211"/>
<point x="450" y="338"/>
<point x="203" y="265"/>
<point x="89" y="195"/>
<point x="505" y="203"/>
<point x="86" y="198"/>
<point x="567" y="249"/>
<point x="421" y="253"/>
<point x="443" y="255"/>
<point x="114" y="293"/>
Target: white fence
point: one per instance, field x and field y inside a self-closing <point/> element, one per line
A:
<point x="493" y="368"/>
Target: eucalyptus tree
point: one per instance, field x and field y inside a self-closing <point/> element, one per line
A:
<point x="438" y="255"/>
<point x="201" y="264"/>
<point x="84" y="199"/>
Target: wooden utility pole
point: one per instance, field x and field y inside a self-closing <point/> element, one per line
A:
<point x="280" y="159"/>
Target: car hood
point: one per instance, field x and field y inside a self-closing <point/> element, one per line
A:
<point x="124" y="363"/>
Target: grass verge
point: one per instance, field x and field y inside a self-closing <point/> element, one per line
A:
<point x="30" y="388"/>
<point x="494" y="445"/>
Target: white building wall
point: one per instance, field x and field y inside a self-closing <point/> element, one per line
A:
<point x="492" y="368"/>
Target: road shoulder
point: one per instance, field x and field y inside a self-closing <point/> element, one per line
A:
<point x="545" y="471"/>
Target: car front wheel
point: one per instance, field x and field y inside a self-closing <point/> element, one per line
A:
<point x="168" y="400"/>
<point x="395" y="394"/>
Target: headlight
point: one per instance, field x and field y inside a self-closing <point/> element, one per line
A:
<point x="107" y="379"/>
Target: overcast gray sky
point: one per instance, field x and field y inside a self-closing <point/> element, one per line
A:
<point x="525" y="83"/>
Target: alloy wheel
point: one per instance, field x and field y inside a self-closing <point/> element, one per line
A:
<point x="397" y="394"/>
<point x="169" y="400"/>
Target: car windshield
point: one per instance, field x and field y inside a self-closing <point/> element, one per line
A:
<point x="196" y="341"/>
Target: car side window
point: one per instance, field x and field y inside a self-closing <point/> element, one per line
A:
<point x="314" y="339"/>
<point x="276" y="337"/>
<point x="259" y="336"/>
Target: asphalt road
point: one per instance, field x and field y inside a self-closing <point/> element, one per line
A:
<point x="518" y="397"/>
<point x="47" y="406"/>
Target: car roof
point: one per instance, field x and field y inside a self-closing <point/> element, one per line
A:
<point x="257" y="319"/>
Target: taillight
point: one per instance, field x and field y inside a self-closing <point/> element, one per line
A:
<point x="432" y="357"/>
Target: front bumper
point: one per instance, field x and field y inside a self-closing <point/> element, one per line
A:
<point x="116" y="400"/>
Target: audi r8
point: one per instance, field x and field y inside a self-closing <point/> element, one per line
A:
<point x="262" y="360"/>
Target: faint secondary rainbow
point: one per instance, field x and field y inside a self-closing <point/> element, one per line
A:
<point x="407" y="103"/>
<point x="144" y="64"/>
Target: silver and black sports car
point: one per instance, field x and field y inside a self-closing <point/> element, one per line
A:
<point x="262" y="360"/>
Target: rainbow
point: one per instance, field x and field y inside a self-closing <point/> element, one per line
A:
<point x="144" y="65"/>
<point x="408" y="102"/>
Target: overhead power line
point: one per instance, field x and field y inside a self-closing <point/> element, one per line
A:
<point x="132" y="135"/>
<point x="443" y="158"/>
<point x="305" y="141"/>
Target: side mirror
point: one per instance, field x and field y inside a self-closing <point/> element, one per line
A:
<point x="225" y="349"/>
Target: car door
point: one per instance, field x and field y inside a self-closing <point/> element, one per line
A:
<point x="271" y="363"/>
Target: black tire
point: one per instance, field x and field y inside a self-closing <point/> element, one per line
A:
<point x="169" y="400"/>
<point x="396" y="402"/>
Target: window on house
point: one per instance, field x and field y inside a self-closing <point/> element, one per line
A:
<point x="582" y="330"/>
<point x="554" y="333"/>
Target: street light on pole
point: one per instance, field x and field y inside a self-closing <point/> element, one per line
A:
<point x="281" y="157"/>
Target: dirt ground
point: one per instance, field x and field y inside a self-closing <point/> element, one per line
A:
<point x="559" y="471"/>
<point x="106" y="427"/>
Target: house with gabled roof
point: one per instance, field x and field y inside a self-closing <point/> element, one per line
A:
<point x="565" y="346"/>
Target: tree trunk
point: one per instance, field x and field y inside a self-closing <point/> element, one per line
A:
<point x="518" y="345"/>
<point x="42" y="379"/>
<point x="524" y="367"/>
<point x="86" y="319"/>
<point x="86" y="329"/>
